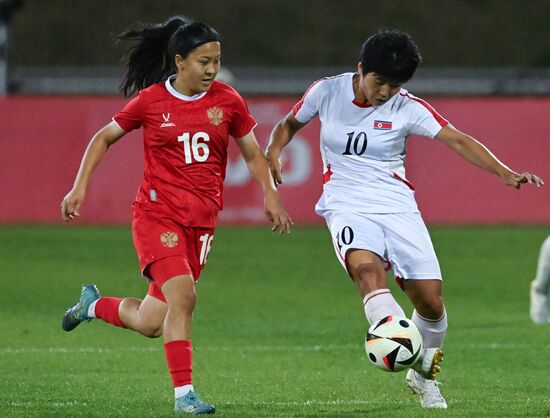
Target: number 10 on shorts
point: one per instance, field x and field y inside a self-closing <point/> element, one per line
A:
<point x="206" y="244"/>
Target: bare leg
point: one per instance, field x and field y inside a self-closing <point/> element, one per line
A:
<point x="367" y="272"/>
<point x="425" y="296"/>
<point x="180" y="296"/>
<point x="144" y="316"/>
<point x="430" y="318"/>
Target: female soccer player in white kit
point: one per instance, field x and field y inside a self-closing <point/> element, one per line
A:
<point x="367" y="202"/>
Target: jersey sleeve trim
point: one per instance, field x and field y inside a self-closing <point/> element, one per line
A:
<point x="440" y="119"/>
<point x="247" y="132"/>
<point x="118" y="124"/>
<point x="299" y="105"/>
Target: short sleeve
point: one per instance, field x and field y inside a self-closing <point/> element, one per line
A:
<point x="424" y="120"/>
<point x="242" y="121"/>
<point x="132" y="116"/>
<point x="308" y="107"/>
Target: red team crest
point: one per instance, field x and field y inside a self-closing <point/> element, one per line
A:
<point x="169" y="239"/>
<point x="215" y="115"/>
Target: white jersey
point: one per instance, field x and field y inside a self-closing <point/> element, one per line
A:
<point x="364" y="147"/>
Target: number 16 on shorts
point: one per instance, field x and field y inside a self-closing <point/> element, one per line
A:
<point x="206" y="245"/>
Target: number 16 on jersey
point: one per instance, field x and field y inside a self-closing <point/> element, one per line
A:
<point x="193" y="149"/>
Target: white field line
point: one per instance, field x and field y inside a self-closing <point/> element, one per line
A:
<point x="304" y="403"/>
<point x="55" y="404"/>
<point x="380" y="401"/>
<point x="233" y="403"/>
<point x="250" y="348"/>
<point x="309" y="402"/>
<point x="62" y="350"/>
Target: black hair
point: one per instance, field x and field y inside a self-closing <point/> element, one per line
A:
<point x="151" y="57"/>
<point x="392" y="55"/>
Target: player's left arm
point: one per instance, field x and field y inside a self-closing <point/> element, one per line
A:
<point x="476" y="153"/>
<point x="259" y="168"/>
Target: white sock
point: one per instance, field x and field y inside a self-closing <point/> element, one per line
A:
<point x="432" y="330"/>
<point x="542" y="279"/>
<point x="183" y="390"/>
<point x="91" y="309"/>
<point x="379" y="304"/>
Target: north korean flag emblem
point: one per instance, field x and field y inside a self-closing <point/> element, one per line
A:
<point x="382" y="125"/>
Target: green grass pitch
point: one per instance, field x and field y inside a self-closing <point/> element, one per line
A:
<point x="278" y="329"/>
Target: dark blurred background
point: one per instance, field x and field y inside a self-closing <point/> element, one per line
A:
<point x="451" y="33"/>
<point x="486" y="46"/>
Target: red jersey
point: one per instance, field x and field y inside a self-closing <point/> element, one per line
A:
<point x="185" y="141"/>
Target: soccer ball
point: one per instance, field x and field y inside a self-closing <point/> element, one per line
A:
<point x="393" y="344"/>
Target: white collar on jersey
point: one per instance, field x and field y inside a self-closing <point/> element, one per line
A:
<point x="177" y="94"/>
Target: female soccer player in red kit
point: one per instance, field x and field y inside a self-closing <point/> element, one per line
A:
<point x="187" y="118"/>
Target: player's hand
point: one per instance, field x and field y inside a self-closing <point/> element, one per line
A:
<point x="276" y="213"/>
<point x="516" y="180"/>
<point x="275" y="165"/>
<point x="70" y="206"/>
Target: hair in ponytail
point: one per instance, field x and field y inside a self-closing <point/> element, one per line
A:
<point x="151" y="57"/>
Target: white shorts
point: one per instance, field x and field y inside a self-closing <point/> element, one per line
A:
<point x="401" y="239"/>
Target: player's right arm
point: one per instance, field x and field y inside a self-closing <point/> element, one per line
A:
<point x="476" y="153"/>
<point x="98" y="146"/>
<point x="280" y="137"/>
<point x="300" y="115"/>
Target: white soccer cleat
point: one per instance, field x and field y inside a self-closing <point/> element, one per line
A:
<point x="428" y="363"/>
<point x="538" y="310"/>
<point x="428" y="389"/>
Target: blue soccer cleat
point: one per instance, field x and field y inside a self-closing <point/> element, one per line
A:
<point x="192" y="404"/>
<point x="79" y="311"/>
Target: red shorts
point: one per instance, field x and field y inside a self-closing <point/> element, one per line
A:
<point x="173" y="248"/>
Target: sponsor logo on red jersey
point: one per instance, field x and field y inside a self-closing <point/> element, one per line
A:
<point x="382" y="125"/>
<point x="167" y="122"/>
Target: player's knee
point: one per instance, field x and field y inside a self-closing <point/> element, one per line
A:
<point x="431" y="308"/>
<point x="151" y="332"/>
<point x="148" y="326"/>
<point x="368" y="275"/>
<point x="183" y="305"/>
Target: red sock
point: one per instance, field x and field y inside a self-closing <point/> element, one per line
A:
<point x="107" y="309"/>
<point x="179" y="359"/>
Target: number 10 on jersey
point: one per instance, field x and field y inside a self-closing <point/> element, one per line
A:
<point x="357" y="145"/>
<point x="193" y="149"/>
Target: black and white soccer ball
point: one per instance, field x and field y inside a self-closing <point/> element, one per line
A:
<point x="393" y="344"/>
